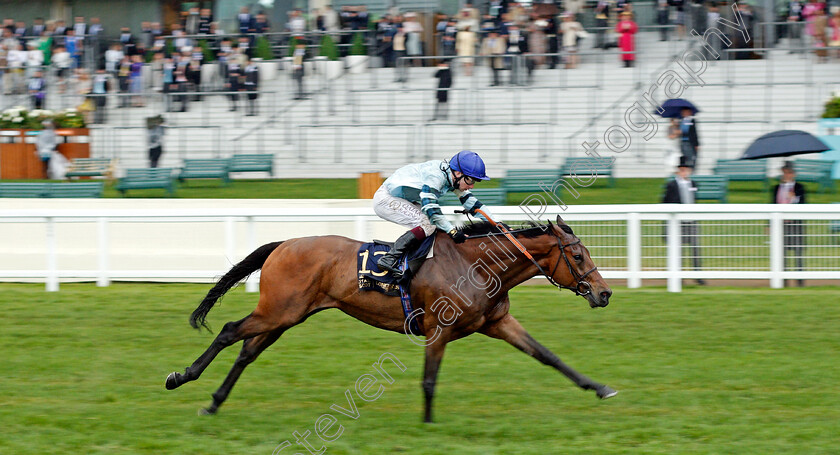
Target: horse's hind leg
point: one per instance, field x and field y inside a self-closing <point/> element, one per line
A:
<point x="251" y="348"/>
<point x="248" y="327"/>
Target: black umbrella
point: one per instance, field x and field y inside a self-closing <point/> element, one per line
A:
<point x="673" y="108"/>
<point x="784" y="143"/>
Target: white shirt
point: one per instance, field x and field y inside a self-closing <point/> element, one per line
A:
<point x="686" y="191"/>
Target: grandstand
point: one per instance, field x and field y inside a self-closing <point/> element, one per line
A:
<point x="368" y="122"/>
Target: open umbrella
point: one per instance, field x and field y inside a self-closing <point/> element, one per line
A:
<point x="672" y="108"/>
<point x="784" y="143"/>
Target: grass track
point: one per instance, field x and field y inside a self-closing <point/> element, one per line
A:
<point x="707" y="371"/>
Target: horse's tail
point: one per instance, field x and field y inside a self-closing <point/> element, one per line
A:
<point x="239" y="272"/>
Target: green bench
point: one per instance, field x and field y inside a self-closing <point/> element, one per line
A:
<point x="257" y="162"/>
<point x="218" y="168"/>
<point x="743" y="171"/>
<point x="77" y="190"/>
<point x="91" y="167"/>
<point x="147" y="178"/>
<point x="24" y="190"/>
<point x="52" y="190"/>
<point x="818" y="171"/>
<point x="529" y="180"/>
<point x="583" y="166"/>
<point x="489" y="196"/>
<point x="711" y="188"/>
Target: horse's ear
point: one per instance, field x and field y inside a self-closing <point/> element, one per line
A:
<point x="560" y="220"/>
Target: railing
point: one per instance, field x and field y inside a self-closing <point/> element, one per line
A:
<point x="629" y="242"/>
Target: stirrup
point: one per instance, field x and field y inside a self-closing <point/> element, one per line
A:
<point x="392" y="269"/>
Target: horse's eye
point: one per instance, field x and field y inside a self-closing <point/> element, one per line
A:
<point x="578" y="257"/>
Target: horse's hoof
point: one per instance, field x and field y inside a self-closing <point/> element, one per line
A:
<point x="172" y="381"/>
<point x="206" y="412"/>
<point x="605" y="392"/>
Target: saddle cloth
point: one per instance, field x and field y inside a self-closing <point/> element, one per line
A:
<point x="371" y="278"/>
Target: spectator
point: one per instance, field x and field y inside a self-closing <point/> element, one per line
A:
<point x="789" y="191"/>
<point x="689" y="142"/>
<point x="46" y="144"/>
<point x="571" y="30"/>
<point x="38" y="27"/>
<point x="465" y="42"/>
<point x="677" y="16"/>
<point x="61" y="60"/>
<point x="517" y="44"/>
<point x="181" y="86"/>
<point x="398" y="44"/>
<point x="127" y="41"/>
<point x="74" y="48"/>
<point x="16" y="61"/>
<point x="450" y="30"/>
<point x="37" y="90"/>
<point x="181" y="41"/>
<point x="154" y="135"/>
<point x="834" y="29"/>
<point x="80" y="27"/>
<point x="192" y="21"/>
<point x="123" y="74"/>
<point x="261" y="24"/>
<point x="794" y="24"/>
<point x="169" y="85"/>
<point x="627" y="29"/>
<point x="413" y="42"/>
<point x="204" y="21"/>
<point x="136" y="80"/>
<point x="444" y="77"/>
<point x="100" y="95"/>
<point x="663" y="18"/>
<point x="298" y="68"/>
<point x="681" y="190"/>
<point x="252" y="83"/>
<point x="244" y="19"/>
<point x="113" y="57"/>
<point x="602" y="14"/>
<point x="34" y="58"/>
<point x="820" y="37"/>
<point x="232" y="84"/>
<point x="332" y="22"/>
<point x="493" y="47"/>
<point x="146" y="36"/>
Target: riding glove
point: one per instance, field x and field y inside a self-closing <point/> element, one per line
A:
<point x="457" y="236"/>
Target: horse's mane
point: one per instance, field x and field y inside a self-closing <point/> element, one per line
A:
<point x="527" y="230"/>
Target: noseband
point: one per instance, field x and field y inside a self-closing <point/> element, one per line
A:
<point x="583" y="288"/>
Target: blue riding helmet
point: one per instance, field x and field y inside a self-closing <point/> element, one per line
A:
<point x="469" y="164"/>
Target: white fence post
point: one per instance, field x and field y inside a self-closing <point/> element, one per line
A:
<point x="104" y="253"/>
<point x="52" y="260"/>
<point x="777" y="255"/>
<point x="634" y="250"/>
<point x="674" y="254"/>
<point x="252" y="284"/>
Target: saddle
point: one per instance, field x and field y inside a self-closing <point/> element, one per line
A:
<point x="371" y="278"/>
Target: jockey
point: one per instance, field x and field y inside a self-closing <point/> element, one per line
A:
<point x="409" y="198"/>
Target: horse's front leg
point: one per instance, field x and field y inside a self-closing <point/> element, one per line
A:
<point x="434" y="355"/>
<point x="510" y="330"/>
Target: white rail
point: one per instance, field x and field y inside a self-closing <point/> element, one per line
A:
<point x="632" y="242"/>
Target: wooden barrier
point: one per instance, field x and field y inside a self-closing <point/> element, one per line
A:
<point x="369" y="182"/>
<point x="19" y="159"/>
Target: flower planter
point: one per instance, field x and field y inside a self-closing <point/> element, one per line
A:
<point x="357" y="64"/>
<point x="268" y="69"/>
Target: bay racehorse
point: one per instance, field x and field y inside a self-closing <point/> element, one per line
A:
<point x="461" y="290"/>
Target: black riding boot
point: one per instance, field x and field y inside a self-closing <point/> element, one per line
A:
<point x="390" y="261"/>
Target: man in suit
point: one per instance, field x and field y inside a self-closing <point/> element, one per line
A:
<point x="681" y="190"/>
<point x="789" y="191"/>
<point x="689" y="143"/>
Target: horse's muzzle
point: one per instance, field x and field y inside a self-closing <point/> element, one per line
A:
<point x="601" y="299"/>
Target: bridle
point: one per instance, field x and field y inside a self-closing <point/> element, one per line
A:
<point x="582" y="288"/>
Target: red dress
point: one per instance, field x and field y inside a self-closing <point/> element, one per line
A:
<point x="627" y="28"/>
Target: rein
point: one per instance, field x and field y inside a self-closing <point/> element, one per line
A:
<point x="583" y="288"/>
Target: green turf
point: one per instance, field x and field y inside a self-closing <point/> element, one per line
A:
<point x="626" y="191"/>
<point x="707" y="371"/>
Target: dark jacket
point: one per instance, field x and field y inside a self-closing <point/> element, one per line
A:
<point x="692" y="133"/>
<point x="672" y="192"/>
<point x="798" y="190"/>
